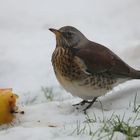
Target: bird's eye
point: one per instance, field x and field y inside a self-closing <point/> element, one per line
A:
<point x="69" y="34"/>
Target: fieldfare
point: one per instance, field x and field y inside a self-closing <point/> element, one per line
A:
<point x="87" y="69"/>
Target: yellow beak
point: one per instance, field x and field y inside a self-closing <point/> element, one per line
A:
<point x="55" y="31"/>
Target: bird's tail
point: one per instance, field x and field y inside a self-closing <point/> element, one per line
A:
<point x="135" y="74"/>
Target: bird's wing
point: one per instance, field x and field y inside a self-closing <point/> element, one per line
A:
<point x="99" y="59"/>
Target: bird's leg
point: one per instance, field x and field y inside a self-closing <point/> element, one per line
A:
<point x="90" y="104"/>
<point x="82" y="103"/>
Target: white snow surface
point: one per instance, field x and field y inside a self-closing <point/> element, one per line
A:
<point x="26" y="46"/>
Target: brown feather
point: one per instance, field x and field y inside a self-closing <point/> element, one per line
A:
<point x="99" y="59"/>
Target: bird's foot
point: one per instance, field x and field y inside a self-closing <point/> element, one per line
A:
<point x="90" y="104"/>
<point x="82" y="103"/>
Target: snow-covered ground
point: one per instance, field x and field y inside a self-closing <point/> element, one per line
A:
<point x="26" y="46"/>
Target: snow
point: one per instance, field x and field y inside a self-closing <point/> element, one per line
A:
<point x="26" y="46"/>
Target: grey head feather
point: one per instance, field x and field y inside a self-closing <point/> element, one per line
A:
<point x="71" y="37"/>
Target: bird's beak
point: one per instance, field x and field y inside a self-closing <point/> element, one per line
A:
<point x="55" y="31"/>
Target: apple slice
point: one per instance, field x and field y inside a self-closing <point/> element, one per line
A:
<point x="7" y="106"/>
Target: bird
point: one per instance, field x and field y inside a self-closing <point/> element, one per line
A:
<point x="87" y="69"/>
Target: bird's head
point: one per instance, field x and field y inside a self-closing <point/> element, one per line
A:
<point x="68" y="36"/>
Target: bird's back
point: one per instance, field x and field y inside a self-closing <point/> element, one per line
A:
<point x="100" y="59"/>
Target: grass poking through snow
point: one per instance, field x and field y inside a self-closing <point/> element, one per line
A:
<point x="48" y="93"/>
<point x="108" y="126"/>
<point x="136" y="108"/>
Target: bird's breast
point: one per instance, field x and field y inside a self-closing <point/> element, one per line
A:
<point x="64" y="65"/>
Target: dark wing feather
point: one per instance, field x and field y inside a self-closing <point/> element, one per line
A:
<point x="99" y="59"/>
